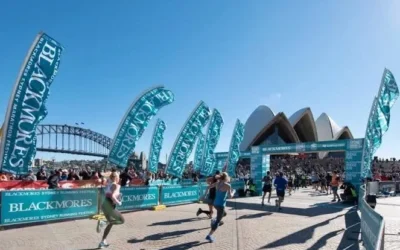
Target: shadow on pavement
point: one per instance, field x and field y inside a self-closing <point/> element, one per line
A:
<point x="185" y="246"/>
<point x="253" y="216"/>
<point x="321" y="242"/>
<point x="350" y="239"/>
<point x="315" y="210"/>
<point x="300" y="237"/>
<point x="166" y="235"/>
<point x="176" y="222"/>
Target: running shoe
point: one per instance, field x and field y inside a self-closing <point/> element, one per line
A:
<point x="103" y="245"/>
<point x="210" y="238"/>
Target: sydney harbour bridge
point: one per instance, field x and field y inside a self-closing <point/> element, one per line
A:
<point x="72" y="140"/>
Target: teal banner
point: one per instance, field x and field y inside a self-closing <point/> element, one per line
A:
<point x="177" y="194"/>
<point x="26" y="107"/>
<point x="237" y="184"/>
<point x="138" y="197"/>
<point x="20" y="207"/>
<point x="198" y="155"/>
<point x="234" y="152"/>
<point x="221" y="159"/>
<point x="186" y="139"/>
<point x="135" y="121"/>
<point x="387" y="96"/>
<point x="212" y="137"/>
<point x="379" y="119"/>
<point x="304" y="147"/>
<point x="156" y="145"/>
<point x="202" y="189"/>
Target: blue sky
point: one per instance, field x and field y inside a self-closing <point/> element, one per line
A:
<point x="234" y="55"/>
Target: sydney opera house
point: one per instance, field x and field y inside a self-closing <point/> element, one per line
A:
<point x="264" y="127"/>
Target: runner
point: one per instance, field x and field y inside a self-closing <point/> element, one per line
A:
<point x="290" y="184"/>
<point x="223" y="190"/>
<point x="281" y="185"/>
<point x="113" y="216"/>
<point x="335" y="186"/>
<point x="210" y="196"/>
<point x="267" y="187"/>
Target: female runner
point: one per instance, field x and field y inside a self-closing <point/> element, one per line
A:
<point x="222" y="190"/>
<point x="113" y="216"/>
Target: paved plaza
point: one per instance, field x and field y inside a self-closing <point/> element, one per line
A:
<point x="308" y="221"/>
<point x="389" y="208"/>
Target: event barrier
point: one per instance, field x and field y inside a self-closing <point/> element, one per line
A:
<point x="372" y="224"/>
<point x="29" y="206"/>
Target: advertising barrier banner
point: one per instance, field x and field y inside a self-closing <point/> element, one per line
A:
<point x="135" y="122"/>
<point x="138" y="197"/>
<point x="177" y="194"/>
<point x="35" y="206"/>
<point x="198" y="154"/>
<point x="186" y="139"/>
<point x="234" y="152"/>
<point x="213" y="133"/>
<point x="155" y="146"/>
<point x="26" y="107"/>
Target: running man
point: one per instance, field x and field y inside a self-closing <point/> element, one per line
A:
<point x="267" y="187"/>
<point x="223" y="190"/>
<point x="113" y="216"/>
<point x="281" y="185"/>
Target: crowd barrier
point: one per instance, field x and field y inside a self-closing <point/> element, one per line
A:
<point x="372" y="224"/>
<point x="31" y="206"/>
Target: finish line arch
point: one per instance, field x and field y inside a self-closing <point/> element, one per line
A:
<point x="260" y="157"/>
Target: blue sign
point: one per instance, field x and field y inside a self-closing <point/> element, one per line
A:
<point x="155" y="146"/>
<point x="177" y="194"/>
<point x="139" y="197"/>
<point x="20" y="207"/>
<point x="198" y="155"/>
<point x="234" y="152"/>
<point x="26" y="107"/>
<point x="135" y="122"/>
<point x="186" y="139"/>
<point x="212" y="137"/>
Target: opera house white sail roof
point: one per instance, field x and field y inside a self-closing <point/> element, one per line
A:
<point x="299" y="127"/>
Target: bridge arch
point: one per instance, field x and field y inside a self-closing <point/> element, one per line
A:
<point x="72" y="140"/>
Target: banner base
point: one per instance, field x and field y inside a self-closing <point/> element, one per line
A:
<point x="159" y="207"/>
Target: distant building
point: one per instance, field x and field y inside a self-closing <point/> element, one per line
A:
<point x="264" y="127"/>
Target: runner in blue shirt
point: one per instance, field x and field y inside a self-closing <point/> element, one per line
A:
<point x="281" y="184"/>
